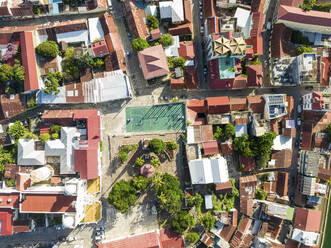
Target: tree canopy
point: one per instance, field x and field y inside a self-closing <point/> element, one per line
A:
<point x="166" y="40"/>
<point x="6" y="73"/>
<point x="140" y="44"/>
<point x="167" y="190"/>
<point x="5" y="158"/>
<point x="70" y="68"/>
<point x="209" y="221"/>
<point x="52" y="82"/>
<point x="153" y="22"/>
<point x="48" y="49"/>
<point x="84" y="61"/>
<point x="123" y="195"/>
<point x="157" y="145"/>
<point x="192" y="237"/>
<point x="181" y="221"/>
<point x="229" y="131"/>
<point x="17" y="130"/>
<point x="172" y="145"/>
<point x="140" y="182"/>
<point x="304" y="49"/>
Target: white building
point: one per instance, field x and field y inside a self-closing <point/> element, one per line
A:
<point x="306" y="238"/>
<point x="173" y="10"/>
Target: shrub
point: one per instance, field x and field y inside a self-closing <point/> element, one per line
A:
<point x="17" y="130"/>
<point x="157" y="145"/>
<point x="260" y="194"/>
<point x="48" y="49"/>
<point x="304" y="49"/>
<point x="123" y="196"/>
<point x="6" y="73"/>
<point x="54" y="136"/>
<point x="52" y="82"/>
<point x="128" y="148"/>
<point x="155" y="162"/>
<point x="218" y="133"/>
<point x="84" y="61"/>
<point x="139" y="162"/>
<point x="209" y="221"/>
<point x="29" y="135"/>
<point x="140" y="44"/>
<point x="179" y="62"/>
<point x="44" y="137"/>
<point x="192" y="237"/>
<point x="172" y="145"/>
<point x="153" y="22"/>
<point x="98" y="64"/>
<point x="229" y="131"/>
<point x="11" y="182"/>
<point x="181" y="221"/>
<point x="166" y="40"/>
<point x="140" y="182"/>
<point x="123" y="156"/>
<point x="55" y="129"/>
<point x="31" y="102"/>
<point x="298" y="38"/>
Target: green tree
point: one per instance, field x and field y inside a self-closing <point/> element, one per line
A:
<point x="17" y="130"/>
<point x="243" y="145"/>
<point x="52" y="82"/>
<point x="182" y="221"/>
<point x="54" y="136"/>
<point x="70" y="69"/>
<point x="55" y="129"/>
<point x="122" y="196"/>
<point x="171" y="62"/>
<point x="167" y="189"/>
<point x="6" y="73"/>
<point x="208" y="221"/>
<point x="304" y="49"/>
<point x="179" y="62"/>
<point x="18" y="70"/>
<point x="139" y="162"/>
<point x="123" y="156"/>
<point x="218" y="133"/>
<point x="140" y="182"/>
<point x="140" y="44"/>
<point x="172" y="145"/>
<point x="44" y="137"/>
<point x="327" y="130"/>
<point x="98" y="64"/>
<point x="84" y="61"/>
<point x="229" y="131"/>
<point x="261" y="194"/>
<point x="29" y="135"/>
<point x="155" y="162"/>
<point x="235" y="191"/>
<point x="48" y="49"/>
<point x="5" y="158"/>
<point x="166" y="40"/>
<point x="264" y="143"/>
<point x="153" y="22"/>
<point x="157" y="145"/>
<point x="192" y="237"/>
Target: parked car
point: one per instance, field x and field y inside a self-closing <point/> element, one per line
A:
<point x="129" y="36"/>
<point x="202" y="29"/>
<point x="205" y="70"/>
<point x="71" y="238"/>
<point x="298" y="121"/>
<point x="299" y="109"/>
<point x="100" y="229"/>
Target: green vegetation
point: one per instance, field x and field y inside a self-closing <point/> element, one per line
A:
<point x="157" y="146"/>
<point x="260" y="194"/>
<point x="70" y="69"/>
<point x="327" y="130"/>
<point x="166" y="40"/>
<point x="209" y="221"/>
<point x="312" y="5"/>
<point x="55" y="129"/>
<point x="167" y="189"/>
<point x="298" y="38"/>
<point x="182" y="221"/>
<point x="218" y="133"/>
<point x="195" y="200"/>
<point x="129" y="148"/>
<point x="29" y="135"/>
<point x="54" y="136"/>
<point x="192" y="237"/>
<point x="139" y="162"/>
<point x="44" y="137"/>
<point x="224" y="134"/>
<point x="123" y="195"/>
<point x="255" y="61"/>
<point x="233" y="69"/>
<point x="153" y="22"/>
<point x="17" y="130"/>
<point x="123" y="156"/>
<point x="140" y="182"/>
<point x="172" y="145"/>
<point x="6" y="157"/>
<point x="140" y="44"/>
<point x="176" y="62"/>
<point x="304" y="49"/>
<point x="48" y="49"/>
<point x="84" y="61"/>
<point x="52" y="82"/>
<point x="155" y="162"/>
<point x="14" y="75"/>
<point x="11" y="182"/>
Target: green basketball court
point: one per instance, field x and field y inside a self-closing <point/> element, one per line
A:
<point x="156" y="118"/>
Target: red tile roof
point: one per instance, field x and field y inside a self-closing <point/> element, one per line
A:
<point x="9" y="200"/>
<point x="218" y="105"/>
<point x="86" y="160"/>
<point x="282" y="183"/>
<point x="6" y="221"/>
<point x="166" y="239"/>
<point x="177" y="83"/>
<point x="281" y="45"/>
<point x="46" y="203"/>
<point x="214" y="76"/>
<point x="307" y="219"/>
<point x="187" y="10"/>
<point x="256" y="39"/>
<point x="11" y="170"/>
<point x="100" y="48"/>
<point x="153" y="62"/>
<point x="210" y="148"/>
<point x="21" y="226"/>
<point x="11" y="105"/>
<point x="256" y="103"/>
<point x="183" y="29"/>
<point x="135" y="18"/>
<point x="186" y="50"/>
<point x="239" y="82"/>
<point x="29" y="62"/>
<point x="298" y="15"/>
<point x="223" y="188"/>
<point x="155" y="33"/>
<point x="92" y="118"/>
<point x="238" y="103"/>
<point x="255" y="75"/>
<point x="209" y="8"/>
<point x="257" y="6"/>
<point x="191" y="77"/>
<point x="294" y="3"/>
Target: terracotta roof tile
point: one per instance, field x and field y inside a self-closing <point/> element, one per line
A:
<point x="238" y="103"/>
<point x="191" y="77"/>
<point x="255" y="75"/>
<point x="9" y="200"/>
<point x="218" y="105"/>
<point x="6" y="221"/>
<point x="186" y="50"/>
<point x="282" y="183"/>
<point x="307" y="219"/>
<point x="210" y="148"/>
<point x="188" y="10"/>
<point x="282" y="158"/>
<point x="177" y="83"/>
<point x="281" y="45"/>
<point x="21" y="226"/>
<point x="183" y="29"/>
<point x="226" y="148"/>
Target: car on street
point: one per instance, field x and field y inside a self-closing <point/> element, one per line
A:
<point x="202" y="29"/>
<point x="299" y="109"/>
<point x="205" y="70"/>
<point x="299" y="121"/>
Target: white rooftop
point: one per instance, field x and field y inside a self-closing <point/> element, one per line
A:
<point x="95" y="29"/>
<point x="172" y="9"/>
<point x="208" y="202"/>
<point x="304" y="237"/>
<point x="281" y="143"/>
<point x="242" y="16"/>
<point x="27" y="155"/>
<point x="74" y="37"/>
<point x="151" y="10"/>
<point x="172" y="51"/>
<point x="205" y="171"/>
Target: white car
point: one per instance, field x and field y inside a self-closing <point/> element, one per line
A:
<point x="202" y="30"/>
<point x="299" y="109"/>
<point x="298" y="121"/>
